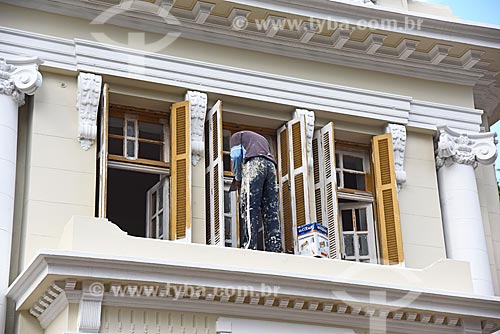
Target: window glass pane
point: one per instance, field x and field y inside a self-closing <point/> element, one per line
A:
<point x="363" y="245"/>
<point x="227" y="202"/>
<point x="160" y="226"/>
<point x="153" y="203"/>
<point x="115" y="146"/>
<point x="130" y="149"/>
<point x="152" y="228"/>
<point x="131" y="128"/>
<point x="151" y="131"/>
<point x="337" y="161"/>
<point x="160" y="199"/>
<point x="338" y="179"/>
<point x="227" y="163"/>
<point x="150" y="151"/>
<point x="115" y="126"/>
<point x="347" y="220"/>
<point x="226" y="140"/>
<point x="361" y="223"/>
<point x="354" y="181"/>
<point x="353" y="163"/>
<point x="227" y="226"/>
<point x="349" y="245"/>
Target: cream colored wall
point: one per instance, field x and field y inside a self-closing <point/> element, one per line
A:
<point x="26" y="323"/>
<point x="421" y="223"/>
<point x="135" y="320"/>
<point x="90" y="235"/>
<point x="36" y="21"/>
<point x="60" y="174"/>
<point x="490" y="213"/>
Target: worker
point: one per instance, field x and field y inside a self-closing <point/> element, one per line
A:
<point x="255" y="174"/>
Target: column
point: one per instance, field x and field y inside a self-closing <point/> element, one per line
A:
<point x="17" y="78"/>
<point x="457" y="155"/>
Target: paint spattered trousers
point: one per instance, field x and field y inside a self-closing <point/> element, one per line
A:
<point x="259" y="194"/>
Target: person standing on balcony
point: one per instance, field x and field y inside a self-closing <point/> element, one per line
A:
<point x="255" y="173"/>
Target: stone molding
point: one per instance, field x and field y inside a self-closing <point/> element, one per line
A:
<point x="468" y="149"/>
<point x="19" y="77"/>
<point x="89" y="311"/>
<point x="398" y="133"/>
<point x="87" y="104"/>
<point x="198" y="111"/>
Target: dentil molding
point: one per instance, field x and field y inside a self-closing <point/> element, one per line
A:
<point x="19" y="77"/>
<point x="87" y="104"/>
<point x="398" y="133"/>
<point x="198" y="111"/>
<point x="467" y="149"/>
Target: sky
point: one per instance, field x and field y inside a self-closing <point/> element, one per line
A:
<point x="485" y="11"/>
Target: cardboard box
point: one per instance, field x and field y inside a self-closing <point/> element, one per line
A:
<point x="313" y="240"/>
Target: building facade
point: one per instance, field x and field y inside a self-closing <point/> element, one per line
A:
<point x="115" y="209"/>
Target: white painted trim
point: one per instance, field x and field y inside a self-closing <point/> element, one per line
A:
<point x="220" y="79"/>
<point x="53" y="310"/>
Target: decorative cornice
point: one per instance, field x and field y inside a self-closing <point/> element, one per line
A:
<point x="487" y="96"/>
<point x="305" y="41"/>
<point x="198" y="109"/>
<point x="398" y="133"/>
<point x="87" y="104"/>
<point x="467" y="149"/>
<point x="19" y="77"/>
<point x="81" y="55"/>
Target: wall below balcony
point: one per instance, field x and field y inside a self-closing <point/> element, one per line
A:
<point x="421" y="222"/>
<point x="91" y="235"/>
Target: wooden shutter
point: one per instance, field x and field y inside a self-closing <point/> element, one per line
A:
<point x="292" y="178"/>
<point x="215" y="177"/>
<point x="388" y="221"/>
<point x="180" y="171"/>
<point x="325" y="185"/>
<point x="103" y="154"/>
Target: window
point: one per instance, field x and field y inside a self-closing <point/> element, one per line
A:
<point x="230" y="215"/>
<point x="138" y="135"/>
<point x="135" y="188"/>
<point x="358" y="234"/>
<point x="357" y="229"/>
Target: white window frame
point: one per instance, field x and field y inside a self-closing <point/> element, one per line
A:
<point x="164" y="183"/>
<point x="233" y="214"/>
<point x="339" y="167"/>
<point x="127" y="137"/>
<point x="372" y="240"/>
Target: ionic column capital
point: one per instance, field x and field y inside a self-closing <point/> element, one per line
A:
<point x="19" y="77"/>
<point x="467" y="149"/>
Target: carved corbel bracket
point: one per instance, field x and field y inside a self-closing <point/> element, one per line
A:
<point x="466" y="149"/>
<point x="309" y="118"/>
<point x="89" y="311"/>
<point x="19" y="76"/>
<point x="398" y="133"/>
<point x="198" y="111"/>
<point x="87" y="104"/>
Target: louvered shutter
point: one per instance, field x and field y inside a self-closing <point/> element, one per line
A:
<point x="387" y="200"/>
<point x="103" y="154"/>
<point x="292" y="165"/>
<point x="180" y="170"/>
<point x="215" y="177"/>
<point x="325" y="185"/>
